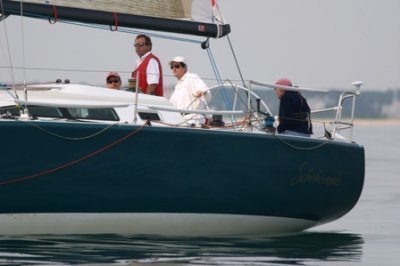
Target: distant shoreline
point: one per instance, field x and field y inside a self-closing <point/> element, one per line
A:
<point x="369" y="121"/>
<point x="377" y="122"/>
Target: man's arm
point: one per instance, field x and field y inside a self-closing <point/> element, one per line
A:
<point x="151" y="89"/>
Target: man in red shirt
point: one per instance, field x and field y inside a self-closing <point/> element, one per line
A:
<point x="148" y="72"/>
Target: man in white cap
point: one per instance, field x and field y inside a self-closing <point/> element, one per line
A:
<point x="189" y="90"/>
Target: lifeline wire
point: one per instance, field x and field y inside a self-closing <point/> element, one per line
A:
<point x="23" y="41"/>
<point x="71" y="163"/>
<point x="298" y="147"/>
<point x="69" y="138"/>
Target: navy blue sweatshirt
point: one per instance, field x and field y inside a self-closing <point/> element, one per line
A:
<point x="294" y="113"/>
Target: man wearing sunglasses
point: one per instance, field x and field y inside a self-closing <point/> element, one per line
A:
<point x="189" y="90"/>
<point x="113" y="81"/>
<point x="148" y="71"/>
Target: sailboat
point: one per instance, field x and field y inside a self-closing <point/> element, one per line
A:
<point x="84" y="159"/>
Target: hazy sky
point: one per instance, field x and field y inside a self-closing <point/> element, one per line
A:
<point x="316" y="43"/>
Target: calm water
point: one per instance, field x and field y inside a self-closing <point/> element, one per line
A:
<point x="368" y="235"/>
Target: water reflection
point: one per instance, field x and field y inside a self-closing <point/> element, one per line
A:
<point x="299" y="249"/>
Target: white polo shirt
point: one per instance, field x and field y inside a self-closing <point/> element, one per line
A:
<point x="184" y="97"/>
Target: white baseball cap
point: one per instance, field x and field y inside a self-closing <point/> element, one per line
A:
<point x="178" y="59"/>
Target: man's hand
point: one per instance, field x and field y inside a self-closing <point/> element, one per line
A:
<point x="151" y="89"/>
<point x="199" y="93"/>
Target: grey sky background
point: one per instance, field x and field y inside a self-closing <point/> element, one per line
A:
<point x="316" y="43"/>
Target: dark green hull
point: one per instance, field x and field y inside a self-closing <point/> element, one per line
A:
<point x="127" y="169"/>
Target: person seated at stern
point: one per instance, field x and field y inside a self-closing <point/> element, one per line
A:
<point x="294" y="112"/>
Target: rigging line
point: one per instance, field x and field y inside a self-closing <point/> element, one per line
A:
<point x="123" y="30"/>
<point x="174" y="38"/>
<point x="214" y="66"/>
<point x="231" y="84"/>
<point x="236" y="61"/>
<point x="15" y="97"/>
<point x="219" y="18"/>
<point x="238" y="68"/>
<point x="9" y="53"/>
<point x="78" y="70"/>
<point x="219" y="80"/>
<point x="23" y="40"/>
<point x="64" y="69"/>
<point x="220" y="83"/>
<point x="69" y="138"/>
<point x="243" y="101"/>
<point x="131" y="31"/>
<point x="66" y="165"/>
<point x="218" y="77"/>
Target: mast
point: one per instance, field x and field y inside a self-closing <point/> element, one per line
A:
<point x="52" y="12"/>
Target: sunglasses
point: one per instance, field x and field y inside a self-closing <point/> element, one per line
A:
<point x="139" y="44"/>
<point x="175" y="66"/>
<point x="113" y="81"/>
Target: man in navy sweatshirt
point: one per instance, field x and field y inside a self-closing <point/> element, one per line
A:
<point x="294" y="112"/>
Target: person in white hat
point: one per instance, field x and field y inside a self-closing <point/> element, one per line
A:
<point x="189" y="90"/>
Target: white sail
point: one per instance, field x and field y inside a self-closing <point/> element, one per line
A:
<point x="193" y="17"/>
<point x="198" y="10"/>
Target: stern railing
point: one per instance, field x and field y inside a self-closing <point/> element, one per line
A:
<point x="339" y="123"/>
